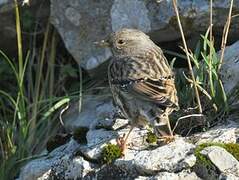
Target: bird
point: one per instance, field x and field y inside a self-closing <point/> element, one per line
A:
<point x="142" y="82"/>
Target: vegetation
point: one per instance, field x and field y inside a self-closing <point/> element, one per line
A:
<point x="110" y="153"/>
<point x="151" y="138"/>
<point x="31" y="96"/>
<point x="230" y="147"/>
<point x="201" y="87"/>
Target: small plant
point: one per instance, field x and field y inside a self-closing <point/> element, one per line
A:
<point x="151" y="138"/>
<point x="110" y="153"/>
<point x="214" y="101"/>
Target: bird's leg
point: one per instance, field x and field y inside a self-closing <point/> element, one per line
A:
<point x="122" y="141"/>
<point x="166" y="134"/>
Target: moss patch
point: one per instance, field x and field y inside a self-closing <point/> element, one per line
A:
<point x="204" y="168"/>
<point x="151" y="138"/>
<point x="230" y="147"/>
<point x="79" y="135"/>
<point x="110" y="153"/>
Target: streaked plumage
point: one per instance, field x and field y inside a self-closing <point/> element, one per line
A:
<point x="141" y="80"/>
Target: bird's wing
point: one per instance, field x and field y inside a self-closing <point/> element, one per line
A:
<point x="161" y="91"/>
<point x="151" y="80"/>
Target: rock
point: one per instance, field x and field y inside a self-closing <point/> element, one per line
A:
<point x="119" y="123"/>
<point x="60" y="163"/>
<point x="81" y="23"/>
<point x="230" y="67"/>
<point x="224" y="133"/>
<point x="96" y="140"/>
<point x="175" y="160"/>
<point x="223" y="160"/>
<point x="174" y="157"/>
<point x="95" y="108"/>
<point x="228" y="177"/>
<point x="130" y="11"/>
<point x="184" y="175"/>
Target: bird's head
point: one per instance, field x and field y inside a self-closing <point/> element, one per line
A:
<point x="127" y="42"/>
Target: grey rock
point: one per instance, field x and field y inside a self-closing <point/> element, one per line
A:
<point x="81" y="22"/>
<point x="132" y="14"/>
<point x="222" y="159"/>
<point x="174" y="157"/>
<point x="228" y="177"/>
<point x="96" y="140"/>
<point x="184" y="175"/>
<point x="224" y="133"/>
<point x="95" y="108"/>
<point x="230" y="67"/>
<point x="172" y="161"/>
<point x="60" y="163"/>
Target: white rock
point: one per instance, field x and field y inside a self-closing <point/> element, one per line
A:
<point x="173" y="157"/>
<point x="226" y="133"/>
<point x="222" y="159"/>
<point x="228" y="177"/>
<point x="184" y="175"/>
<point x="59" y="163"/>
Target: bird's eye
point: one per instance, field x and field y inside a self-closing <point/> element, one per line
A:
<point x="121" y="41"/>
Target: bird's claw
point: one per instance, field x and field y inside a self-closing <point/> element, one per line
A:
<point x="166" y="139"/>
<point x="122" y="144"/>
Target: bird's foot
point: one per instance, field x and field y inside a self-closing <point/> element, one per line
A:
<point x="166" y="139"/>
<point x="121" y="142"/>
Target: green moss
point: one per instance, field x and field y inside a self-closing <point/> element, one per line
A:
<point x="151" y="138"/>
<point x="110" y="153"/>
<point x="201" y="159"/>
<point x="79" y="135"/>
<point x="230" y="147"/>
<point x="233" y="149"/>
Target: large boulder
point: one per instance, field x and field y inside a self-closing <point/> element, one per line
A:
<point x="82" y="22"/>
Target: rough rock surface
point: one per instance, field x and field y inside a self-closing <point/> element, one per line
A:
<point x="224" y="133"/>
<point x="82" y="22"/>
<point x="184" y="175"/>
<point x="142" y="160"/>
<point x="223" y="160"/>
<point x="230" y="67"/>
<point x="96" y="109"/>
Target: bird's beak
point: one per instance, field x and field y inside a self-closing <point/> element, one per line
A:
<point x="102" y="43"/>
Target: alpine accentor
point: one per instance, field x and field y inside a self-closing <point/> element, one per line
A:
<point x="141" y="81"/>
